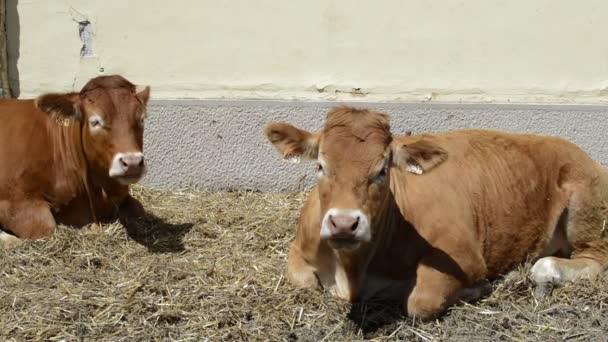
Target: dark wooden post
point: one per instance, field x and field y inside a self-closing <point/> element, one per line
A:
<point x="6" y="89"/>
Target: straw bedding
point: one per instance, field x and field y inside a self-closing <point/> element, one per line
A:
<point x="210" y="266"/>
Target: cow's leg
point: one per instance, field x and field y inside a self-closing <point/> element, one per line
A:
<point x="550" y="271"/>
<point x="299" y="271"/>
<point x="31" y="220"/>
<point x="441" y="282"/>
<point x="586" y="231"/>
<point x="433" y="292"/>
<point x="323" y="271"/>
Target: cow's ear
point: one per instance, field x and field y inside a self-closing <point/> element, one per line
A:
<point x="142" y="93"/>
<point x="418" y="157"/>
<point x="60" y="106"/>
<point x="293" y="143"/>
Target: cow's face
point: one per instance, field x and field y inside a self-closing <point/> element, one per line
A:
<point x="111" y="112"/>
<point x="355" y="153"/>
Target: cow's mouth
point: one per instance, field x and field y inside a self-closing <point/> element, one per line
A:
<point x="128" y="179"/>
<point x="344" y="243"/>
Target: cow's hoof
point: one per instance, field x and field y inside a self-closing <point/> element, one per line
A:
<point x="542" y="290"/>
<point x="546" y="270"/>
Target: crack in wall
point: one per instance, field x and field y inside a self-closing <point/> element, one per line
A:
<point x="86" y="36"/>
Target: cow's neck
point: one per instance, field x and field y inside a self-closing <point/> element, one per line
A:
<point x="350" y="270"/>
<point x="112" y="189"/>
<point x="402" y="244"/>
<point x="69" y="165"/>
<point x="396" y="248"/>
<point x="390" y="256"/>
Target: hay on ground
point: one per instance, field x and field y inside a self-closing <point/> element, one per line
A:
<point x="211" y="266"/>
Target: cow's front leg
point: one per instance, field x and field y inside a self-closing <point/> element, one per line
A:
<point x="320" y="269"/>
<point x="30" y="220"/>
<point x="299" y="271"/>
<point x="441" y="282"/>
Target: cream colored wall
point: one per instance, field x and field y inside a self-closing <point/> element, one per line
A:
<point x="415" y="50"/>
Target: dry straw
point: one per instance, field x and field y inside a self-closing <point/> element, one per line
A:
<point x="209" y="266"/>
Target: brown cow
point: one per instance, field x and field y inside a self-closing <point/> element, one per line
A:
<point x="434" y="216"/>
<point x="69" y="158"/>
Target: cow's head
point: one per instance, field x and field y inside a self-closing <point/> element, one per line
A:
<point x="110" y="111"/>
<point x="355" y="153"/>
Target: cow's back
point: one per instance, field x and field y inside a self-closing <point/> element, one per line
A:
<point x="502" y="191"/>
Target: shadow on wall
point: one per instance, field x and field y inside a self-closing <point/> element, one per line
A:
<point x="13" y="35"/>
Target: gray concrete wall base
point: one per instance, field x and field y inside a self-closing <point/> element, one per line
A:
<point x="219" y="145"/>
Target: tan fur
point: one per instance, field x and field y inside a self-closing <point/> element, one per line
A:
<point x="456" y="209"/>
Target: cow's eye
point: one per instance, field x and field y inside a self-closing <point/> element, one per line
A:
<point x="95" y="122"/>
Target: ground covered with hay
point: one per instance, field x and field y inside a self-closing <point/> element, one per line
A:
<point x="209" y="266"/>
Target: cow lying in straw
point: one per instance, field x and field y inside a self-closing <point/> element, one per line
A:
<point x="70" y="158"/>
<point x="434" y="216"/>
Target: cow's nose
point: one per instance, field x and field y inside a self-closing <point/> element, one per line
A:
<point x="343" y="226"/>
<point x="132" y="162"/>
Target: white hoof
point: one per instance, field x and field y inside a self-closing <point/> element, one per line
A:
<point x="546" y="270"/>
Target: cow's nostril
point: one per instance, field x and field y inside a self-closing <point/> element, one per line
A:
<point x="141" y="162"/>
<point x="123" y="163"/>
<point x="355" y="225"/>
